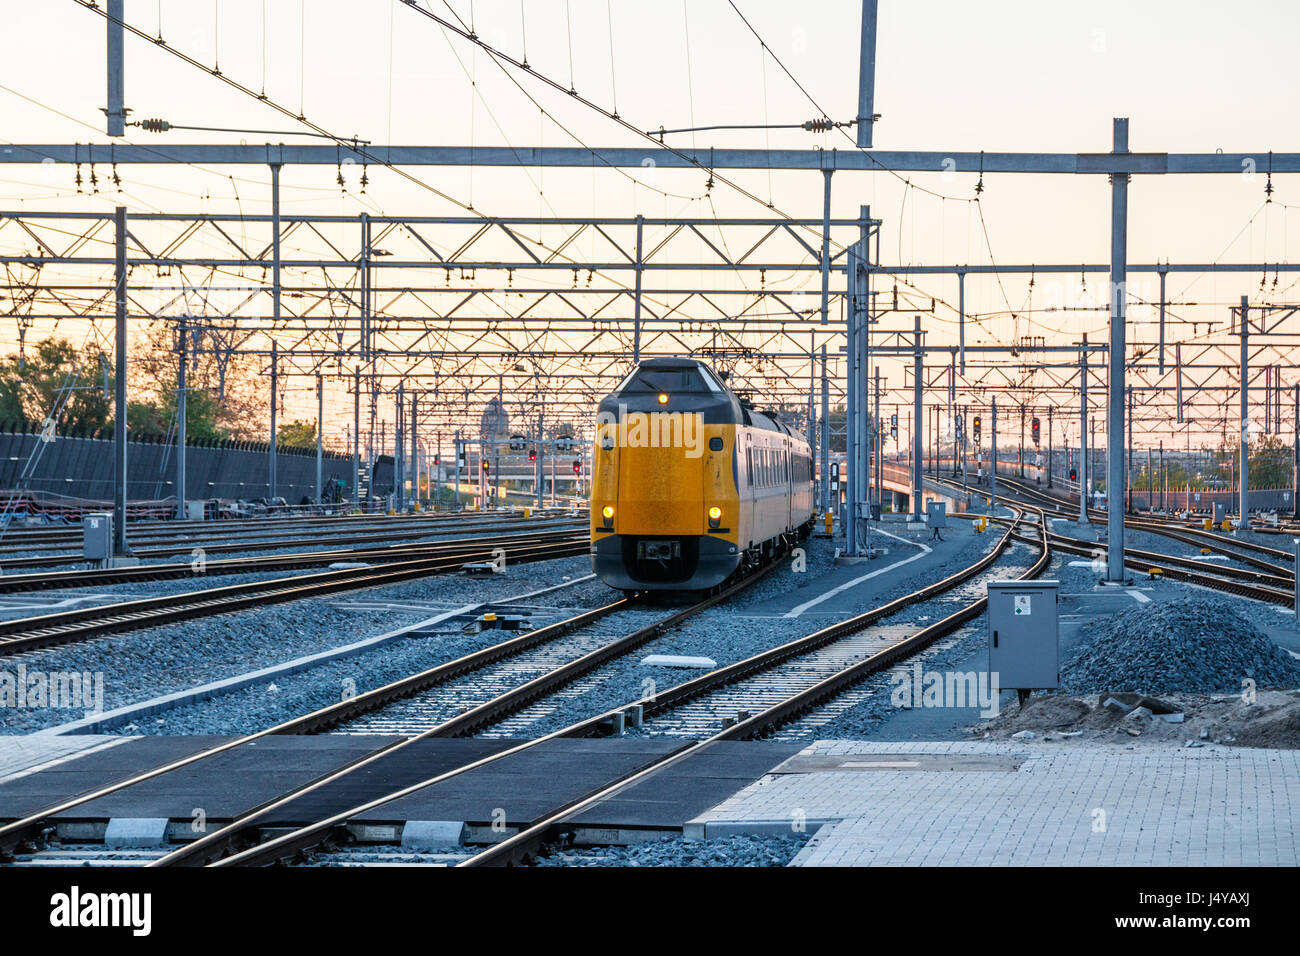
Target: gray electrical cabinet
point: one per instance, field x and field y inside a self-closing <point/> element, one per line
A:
<point x="97" y="537"/>
<point x="1024" y="634"/>
<point x="936" y="514"/>
<point x="1220" y="512"/>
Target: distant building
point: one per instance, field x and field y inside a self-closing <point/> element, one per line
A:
<point x="494" y="425"/>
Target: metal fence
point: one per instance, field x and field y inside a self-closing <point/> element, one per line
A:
<point x="83" y="468"/>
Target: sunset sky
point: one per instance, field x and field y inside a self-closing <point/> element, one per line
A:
<point x="1191" y="76"/>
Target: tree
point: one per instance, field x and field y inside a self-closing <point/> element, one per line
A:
<point x="296" y="434"/>
<point x="31" y="389"/>
<point x="222" y="398"/>
<point x="1270" y="462"/>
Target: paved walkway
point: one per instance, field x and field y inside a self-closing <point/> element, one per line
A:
<point x="1000" y="804"/>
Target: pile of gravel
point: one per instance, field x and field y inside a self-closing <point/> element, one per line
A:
<point x="739" y="850"/>
<point x="1194" y="645"/>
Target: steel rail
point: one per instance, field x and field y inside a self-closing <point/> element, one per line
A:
<point x="54" y="580"/>
<point x="24" y="634"/>
<point x="528" y="842"/>
<point x="288" y="845"/>
<point x="226" y="545"/>
<point x="210" y="848"/>
<point x="1202" y="577"/>
<point x="29" y="828"/>
<point x="1175" y="531"/>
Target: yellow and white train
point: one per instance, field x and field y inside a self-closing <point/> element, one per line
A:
<point x="689" y="483"/>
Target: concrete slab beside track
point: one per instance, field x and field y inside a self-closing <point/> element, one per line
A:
<point x="1064" y="805"/>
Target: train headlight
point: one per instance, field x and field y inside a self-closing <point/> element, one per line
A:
<point x="715" y="516"/>
<point x="608" y="514"/>
<point x="663" y="398"/>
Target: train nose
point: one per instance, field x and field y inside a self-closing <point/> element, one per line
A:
<point x="661" y="552"/>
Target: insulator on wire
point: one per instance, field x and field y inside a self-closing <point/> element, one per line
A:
<point x="155" y="125"/>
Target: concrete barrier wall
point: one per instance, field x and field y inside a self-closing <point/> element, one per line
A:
<point x="83" y="468"/>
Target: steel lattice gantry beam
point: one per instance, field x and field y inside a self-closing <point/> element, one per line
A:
<point x="463" y="302"/>
<point x="861" y="160"/>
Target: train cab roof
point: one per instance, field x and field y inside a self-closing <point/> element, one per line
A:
<point x="687" y="385"/>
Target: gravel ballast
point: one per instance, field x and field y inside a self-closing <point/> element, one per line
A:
<point x="733" y="631"/>
<point x="1193" y="645"/>
<point x="143" y="664"/>
<point x="740" y="850"/>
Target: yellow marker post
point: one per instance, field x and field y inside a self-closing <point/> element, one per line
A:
<point x="830" y="522"/>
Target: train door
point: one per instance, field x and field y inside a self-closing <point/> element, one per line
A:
<point x="788" y="508"/>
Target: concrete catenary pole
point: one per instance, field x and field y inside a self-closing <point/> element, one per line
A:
<point x="853" y="481"/>
<point x="1243" y="514"/>
<point x="356" y="438"/>
<point x="320" y="448"/>
<point x="115" y="113"/>
<point x="415" y="447"/>
<point x="1083" y="432"/>
<point x="181" y="415"/>
<point x="993" y="460"/>
<point x="120" y="547"/>
<point x="1115" y="414"/>
<point x="918" y="437"/>
<point x="275" y="408"/>
<point x="825" y="447"/>
<point x="824" y="491"/>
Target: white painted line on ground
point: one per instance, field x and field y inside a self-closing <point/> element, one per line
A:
<point x="796" y="611"/>
<point x="1139" y="596"/>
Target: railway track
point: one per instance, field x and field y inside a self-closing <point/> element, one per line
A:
<point x="28" y="832"/>
<point x="100" y="577"/>
<point x="25" y="634"/>
<point x="225" y="544"/>
<point x="824" y="684"/>
<point x="1254" y="555"/>
<point x="69" y="537"/>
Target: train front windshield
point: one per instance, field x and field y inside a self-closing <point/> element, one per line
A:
<point x="673" y="381"/>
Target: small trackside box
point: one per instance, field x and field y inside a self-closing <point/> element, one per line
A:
<point x="936" y="514"/>
<point x="97" y="537"/>
<point x="1024" y="634"/>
